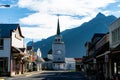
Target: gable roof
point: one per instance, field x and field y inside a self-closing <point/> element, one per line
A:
<point x="6" y="29"/>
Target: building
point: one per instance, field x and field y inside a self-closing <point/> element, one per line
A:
<point x="115" y="34"/>
<point x="102" y="54"/>
<point x="90" y="58"/>
<point x="115" y="49"/>
<point x="78" y="64"/>
<point x="35" y="59"/>
<point x="56" y="56"/>
<point x="39" y="60"/>
<point x="11" y="50"/>
<point x="97" y="59"/>
<point x="69" y="64"/>
<point x="30" y="64"/>
<point x="58" y="51"/>
<point x="105" y="57"/>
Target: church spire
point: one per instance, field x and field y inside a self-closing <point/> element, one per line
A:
<point x="58" y="27"/>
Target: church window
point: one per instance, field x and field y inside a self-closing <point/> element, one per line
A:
<point x="55" y="40"/>
<point x="58" y="40"/>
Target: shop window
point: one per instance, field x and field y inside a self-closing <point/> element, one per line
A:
<point x="119" y="33"/>
<point x="3" y="64"/>
<point x="58" y="40"/>
<point x="1" y="44"/>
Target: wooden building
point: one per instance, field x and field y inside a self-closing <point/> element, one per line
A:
<point x="12" y="50"/>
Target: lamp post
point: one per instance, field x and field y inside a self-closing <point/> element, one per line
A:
<point x="6" y="5"/>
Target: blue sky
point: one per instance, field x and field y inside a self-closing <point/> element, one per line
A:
<point x="38" y="18"/>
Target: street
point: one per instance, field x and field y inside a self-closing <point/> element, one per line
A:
<point x="52" y="75"/>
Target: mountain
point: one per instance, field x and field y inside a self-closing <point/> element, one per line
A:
<point x="75" y="38"/>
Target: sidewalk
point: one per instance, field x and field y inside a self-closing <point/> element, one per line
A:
<point x="84" y="73"/>
<point x="26" y="74"/>
<point x="29" y="73"/>
<point x="89" y="76"/>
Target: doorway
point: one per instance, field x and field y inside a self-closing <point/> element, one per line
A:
<point x="1" y="66"/>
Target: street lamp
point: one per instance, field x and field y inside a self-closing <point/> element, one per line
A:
<point x="6" y="5"/>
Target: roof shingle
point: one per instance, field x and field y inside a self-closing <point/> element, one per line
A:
<point x="5" y="30"/>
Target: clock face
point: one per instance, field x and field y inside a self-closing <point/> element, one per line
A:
<point x="59" y="52"/>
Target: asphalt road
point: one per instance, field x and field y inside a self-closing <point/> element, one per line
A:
<point x="53" y="75"/>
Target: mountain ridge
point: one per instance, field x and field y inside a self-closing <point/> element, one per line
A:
<point x="75" y="38"/>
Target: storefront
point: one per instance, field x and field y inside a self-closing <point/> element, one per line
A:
<point x="17" y="62"/>
<point x="115" y="63"/>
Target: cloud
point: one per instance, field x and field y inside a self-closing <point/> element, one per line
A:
<point x="45" y="14"/>
<point x="80" y="7"/>
<point x="36" y="32"/>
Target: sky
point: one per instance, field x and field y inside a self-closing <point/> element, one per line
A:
<point x="38" y="18"/>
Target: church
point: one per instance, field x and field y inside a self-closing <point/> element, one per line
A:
<point x="58" y="51"/>
<point x="56" y="56"/>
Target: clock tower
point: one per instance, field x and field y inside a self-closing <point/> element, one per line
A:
<point x="58" y="50"/>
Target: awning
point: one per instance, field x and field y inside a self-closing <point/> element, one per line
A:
<point x="107" y="52"/>
<point x="89" y="60"/>
<point x="17" y="52"/>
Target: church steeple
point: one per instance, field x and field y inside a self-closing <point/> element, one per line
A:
<point x="58" y="37"/>
<point x="58" y="51"/>
<point x="58" y="27"/>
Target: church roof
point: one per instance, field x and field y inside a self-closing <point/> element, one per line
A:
<point x="50" y="51"/>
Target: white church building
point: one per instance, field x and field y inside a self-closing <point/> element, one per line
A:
<point x="58" y="51"/>
<point x="56" y="56"/>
